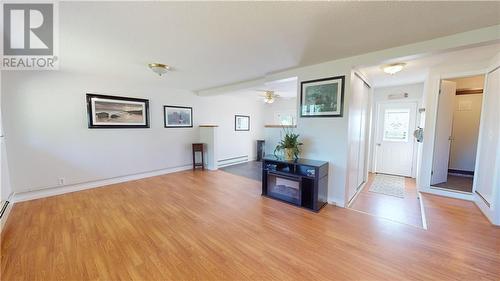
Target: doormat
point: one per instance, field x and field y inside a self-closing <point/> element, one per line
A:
<point x="388" y="185"/>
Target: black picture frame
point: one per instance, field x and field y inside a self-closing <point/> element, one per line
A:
<point x="236" y="122"/>
<point x="341" y="95"/>
<point x="92" y="124"/>
<point x="165" y="107"/>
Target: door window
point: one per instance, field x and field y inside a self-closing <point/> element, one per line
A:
<point x="396" y="125"/>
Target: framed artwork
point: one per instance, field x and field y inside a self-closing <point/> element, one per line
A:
<point x="241" y="123"/>
<point x="322" y="97"/>
<point x="177" y="116"/>
<point x="117" y="112"/>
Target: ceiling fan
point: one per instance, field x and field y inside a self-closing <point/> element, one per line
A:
<point x="269" y="96"/>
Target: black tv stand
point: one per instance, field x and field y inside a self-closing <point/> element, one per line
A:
<point x="300" y="182"/>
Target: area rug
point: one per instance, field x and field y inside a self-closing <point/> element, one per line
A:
<point x="388" y="185"/>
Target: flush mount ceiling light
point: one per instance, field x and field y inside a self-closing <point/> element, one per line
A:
<point x="393" y="68"/>
<point x="159" y="68"/>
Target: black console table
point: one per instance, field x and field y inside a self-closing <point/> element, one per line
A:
<point x="300" y="182"/>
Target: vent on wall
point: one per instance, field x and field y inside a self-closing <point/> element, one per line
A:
<point x="232" y="161"/>
<point x="4" y="205"/>
<point x="398" y="96"/>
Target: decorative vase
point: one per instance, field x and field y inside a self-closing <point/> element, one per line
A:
<point x="289" y="155"/>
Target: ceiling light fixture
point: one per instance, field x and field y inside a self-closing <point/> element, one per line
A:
<point x="159" y="68"/>
<point x="269" y="97"/>
<point x="393" y="68"/>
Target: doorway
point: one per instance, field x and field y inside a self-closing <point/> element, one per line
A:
<point x="390" y="191"/>
<point x="394" y="143"/>
<point x="457" y="131"/>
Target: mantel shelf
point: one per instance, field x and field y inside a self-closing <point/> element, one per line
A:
<point x="280" y="126"/>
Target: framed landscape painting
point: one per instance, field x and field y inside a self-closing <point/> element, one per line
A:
<point x="178" y="116"/>
<point x="322" y="97"/>
<point x="117" y="112"/>
<point x="241" y="123"/>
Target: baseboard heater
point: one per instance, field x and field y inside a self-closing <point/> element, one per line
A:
<point x="232" y="161"/>
<point x="4" y="207"/>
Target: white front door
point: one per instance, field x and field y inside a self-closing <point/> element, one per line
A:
<point x="394" y="141"/>
<point x="444" y="124"/>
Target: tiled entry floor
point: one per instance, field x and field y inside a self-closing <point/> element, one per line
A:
<point x="251" y="169"/>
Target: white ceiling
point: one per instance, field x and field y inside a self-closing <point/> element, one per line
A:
<point x="285" y="88"/>
<point x="215" y="43"/>
<point x="416" y="70"/>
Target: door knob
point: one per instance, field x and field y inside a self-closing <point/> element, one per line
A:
<point x="379" y="144"/>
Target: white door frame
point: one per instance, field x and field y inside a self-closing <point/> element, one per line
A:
<point x="376" y="123"/>
<point x="426" y="187"/>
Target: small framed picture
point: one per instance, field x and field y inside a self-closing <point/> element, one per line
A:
<point x="241" y="123"/>
<point x="117" y="112"/>
<point x="322" y="97"/>
<point x="178" y="116"/>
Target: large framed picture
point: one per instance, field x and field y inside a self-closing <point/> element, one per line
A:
<point x="241" y="123"/>
<point x="177" y="116"/>
<point x="322" y="97"/>
<point x="117" y="112"/>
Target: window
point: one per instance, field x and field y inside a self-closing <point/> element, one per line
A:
<point x="396" y="125"/>
<point x="284" y="118"/>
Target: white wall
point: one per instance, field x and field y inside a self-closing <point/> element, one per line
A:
<point x="5" y="187"/>
<point x="466" y="116"/>
<point x="220" y="110"/>
<point x="415" y="93"/>
<point x="283" y="106"/>
<point x="472" y="82"/>
<point x="46" y="124"/>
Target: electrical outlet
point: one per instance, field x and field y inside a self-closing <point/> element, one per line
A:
<point x="61" y="181"/>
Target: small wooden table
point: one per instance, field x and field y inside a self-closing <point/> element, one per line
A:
<point x="198" y="147"/>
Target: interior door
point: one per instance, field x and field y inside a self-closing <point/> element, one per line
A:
<point x="489" y="142"/>
<point x="358" y="107"/>
<point x="444" y="123"/>
<point x="394" y="143"/>
<point x="362" y="167"/>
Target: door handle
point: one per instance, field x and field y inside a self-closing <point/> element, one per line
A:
<point x="379" y="144"/>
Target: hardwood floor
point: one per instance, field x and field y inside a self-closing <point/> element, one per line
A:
<point x="214" y="225"/>
<point x="405" y="210"/>
<point x="457" y="183"/>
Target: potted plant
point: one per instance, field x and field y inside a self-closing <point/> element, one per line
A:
<point x="289" y="145"/>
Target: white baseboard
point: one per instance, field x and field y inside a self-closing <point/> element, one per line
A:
<point x="446" y="193"/>
<point x="52" y="191"/>
<point x="335" y="202"/>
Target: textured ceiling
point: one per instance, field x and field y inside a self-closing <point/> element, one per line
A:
<point x="212" y="44"/>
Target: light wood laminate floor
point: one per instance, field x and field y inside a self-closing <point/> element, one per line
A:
<point x="209" y="225"/>
<point x="405" y="210"/>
